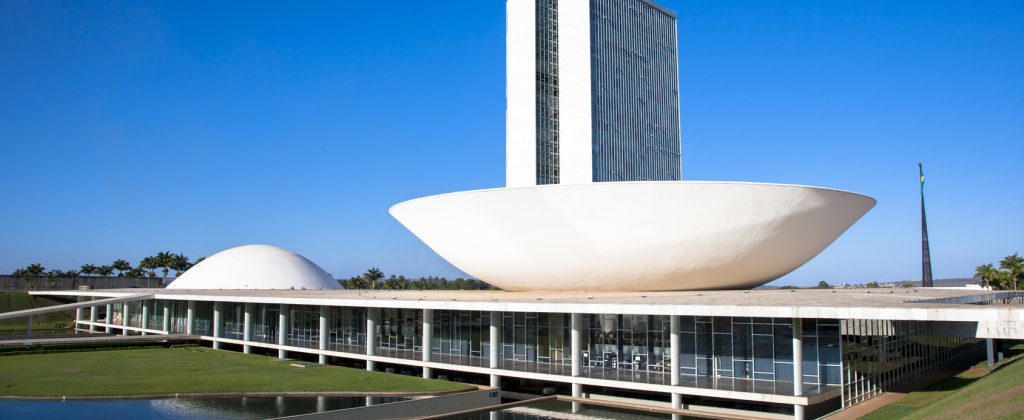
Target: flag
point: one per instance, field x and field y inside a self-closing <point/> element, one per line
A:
<point x="920" y="170"/>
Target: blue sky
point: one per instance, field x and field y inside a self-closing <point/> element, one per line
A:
<point x="127" y="128"/>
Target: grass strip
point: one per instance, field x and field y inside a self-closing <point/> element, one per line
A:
<point x="186" y="370"/>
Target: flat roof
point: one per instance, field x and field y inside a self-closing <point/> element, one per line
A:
<point x="881" y="303"/>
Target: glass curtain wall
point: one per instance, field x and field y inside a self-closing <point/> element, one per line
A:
<point x="116" y="315"/>
<point x="134" y="313"/>
<point x="179" y="313"/>
<point x="626" y="347"/>
<point x="399" y="333"/>
<point x="232" y="320"/>
<point x="348" y="329"/>
<point x="878" y="354"/>
<point x="536" y="342"/>
<point x="203" y="319"/>
<point x="155" y="320"/>
<point x="265" y="322"/>
<point x="305" y="326"/>
<point x="461" y="337"/>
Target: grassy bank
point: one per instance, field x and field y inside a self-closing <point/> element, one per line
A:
<point x="974" y="393"/>
<point x="152" y="371"/>
<point x="17" y="301"/>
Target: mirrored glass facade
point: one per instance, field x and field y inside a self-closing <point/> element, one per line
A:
<point x="547" y="91"/>
<point x="852" y="359"/>
<point x="635" y="91"/>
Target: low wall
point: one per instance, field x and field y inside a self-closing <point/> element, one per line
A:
<point x="10" y="283"/>
<point x="434" y="406"/>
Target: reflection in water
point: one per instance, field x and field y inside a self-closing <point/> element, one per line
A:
<point x="182" y="408"/>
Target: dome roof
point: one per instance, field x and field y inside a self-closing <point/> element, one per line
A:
<point x="255" y="267"/>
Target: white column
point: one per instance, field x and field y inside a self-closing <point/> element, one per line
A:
<point x="324" y="333"/>
<point x="495" y="361"/>
<point x="798" y="366"/>
<point x="145" y="317"/>
<point x="372" y="318"/>
<point x="247" y="329"/>
<point x="677" y="398"/>
<point x="78" y="318"/>
<point x="190" y="317"/>
<point x="575" y="131"/>
<point x="92" y="318"/>
<point x="577" y="356"/>
<point x="990" y="351"/>
<point x="282" y="330"/>
<point x="167" y="319"/>
<point x="124" y="318"/>
<point x="110" y="314"/>
<point x="216" y="325"/>
<point x="428" y="339"/>
<point x="521" y="93"/>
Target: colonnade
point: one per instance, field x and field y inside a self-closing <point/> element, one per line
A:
<point x="373" y="321"/>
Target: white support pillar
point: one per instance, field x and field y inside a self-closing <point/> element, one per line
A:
<point x="990" y="351"/>
<point x="110" y="314"/>
<point x="145" y="318"/>
<point x="798" y="366"/>
<point x="124" y="318"/>
<point x="577" y="357"/>
<point x="247" y="329"/>
<point x="216" y="324"/>
<point x="282" y="331"/>
<point x="190" y="317"/>
<point x="372" y="319"/>
<point x="495" y="338"/>
<point x="324" y="333"/>
<point x="428" y="339"/>
<point x="92" y="318"/>
<point x="677" y="398"/>
<point x="78" y="318"/>
<point x="167" y="318"/>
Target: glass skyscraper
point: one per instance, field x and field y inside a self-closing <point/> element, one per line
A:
<point x="593" y="92"/>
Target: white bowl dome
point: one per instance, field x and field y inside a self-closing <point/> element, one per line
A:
<point x="632" y="236"/>
<point x="255" y="267"/>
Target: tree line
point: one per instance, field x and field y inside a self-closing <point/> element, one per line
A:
<point x="374" y="279"/>
<point x="1009" y="275"/>
<point x="163" y="261"/>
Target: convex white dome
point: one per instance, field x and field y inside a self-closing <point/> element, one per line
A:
<point x="255" y="267"/>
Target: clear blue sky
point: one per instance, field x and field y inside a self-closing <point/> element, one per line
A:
<point x="127" y="128"/>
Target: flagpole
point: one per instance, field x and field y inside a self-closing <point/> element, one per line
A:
<point x="926" y="259"/>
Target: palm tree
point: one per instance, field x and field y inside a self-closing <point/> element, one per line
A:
<point x="164" y="260"/>
<point x="1015" y="265"/>
<point x="35" y="270"/>
<point x="121" y="266"/>
<point x="180" y="264"/>
<point x="88" y="269"/>
<point x="985" y="274"/>
<point x="105" y="270"/>
<point x="71" y="273"/>
<point x="372" y="276"/>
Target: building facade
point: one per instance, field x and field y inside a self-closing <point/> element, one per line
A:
<point x="724" y="357"/>
<point x="592" y="92"/>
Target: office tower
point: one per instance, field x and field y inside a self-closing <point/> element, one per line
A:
<point x="592" y="92"/>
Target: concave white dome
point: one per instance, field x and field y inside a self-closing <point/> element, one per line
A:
<point x="255" y="267"/>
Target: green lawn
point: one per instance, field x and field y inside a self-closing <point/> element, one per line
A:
<point x="152" y="371"/>
<point x="974" y="393"/>
<point x="41" y="323"/>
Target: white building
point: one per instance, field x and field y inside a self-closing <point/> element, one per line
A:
<point x="592" y="92"/>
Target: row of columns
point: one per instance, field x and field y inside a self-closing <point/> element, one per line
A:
<point x="373" y="320"/>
